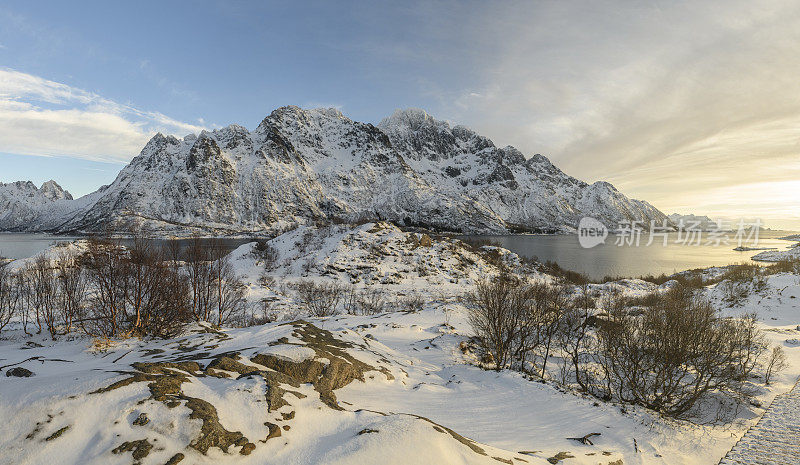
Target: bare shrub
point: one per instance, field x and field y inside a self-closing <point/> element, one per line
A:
<point x="775" y="364"/>
<point x="734" y="291"/>
<point x="319" y="300"/>
<point x="266" y="253"/>
<point x="497" y="312"/>
<point x="784" y="266"/>
<point x="741" y="273"/>
<point x="675" y="353"/>
<point x="411" y="304"/>
<point x="368" y="301"/>
<point x="365" y="301"/>
<point x="10" y="295"/>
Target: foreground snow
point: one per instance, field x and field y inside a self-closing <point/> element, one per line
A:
<point x="414" y="392"/>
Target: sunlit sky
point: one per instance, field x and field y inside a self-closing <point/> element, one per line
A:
<point x="692" y="106"/>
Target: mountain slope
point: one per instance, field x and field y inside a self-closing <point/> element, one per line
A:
<point x="21" y="202"/>
<point x="302" y="166"/>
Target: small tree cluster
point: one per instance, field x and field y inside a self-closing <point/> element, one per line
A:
<point x="266" y="253"/>
<point x="366" y="301"/>
<point x="674" y="354"/>
<point x="111" y="290"/>
<point x="217" y="295"/>
<point x="515" y="319"/>
<point x="666" y="357"/>
<point x="321" y="299"/>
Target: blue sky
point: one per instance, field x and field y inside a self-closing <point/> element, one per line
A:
<point x="693" y="106"/>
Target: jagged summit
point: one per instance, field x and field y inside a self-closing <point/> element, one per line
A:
<point x="21" y="202"/>
<point x="318" y="165"/>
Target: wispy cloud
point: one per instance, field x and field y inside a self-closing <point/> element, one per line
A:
<point x="675" y="102"/>
<point x="47" y="118"/>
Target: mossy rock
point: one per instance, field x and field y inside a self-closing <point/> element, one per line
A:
<point x="560" y="456"/>
<point x="57" y="434"/>
<point x="212" y="433"/>
<point x="139" y="449"/>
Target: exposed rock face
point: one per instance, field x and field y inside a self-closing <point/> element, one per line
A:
<point x="19" y="372"/>
<point x="300" y="166"/>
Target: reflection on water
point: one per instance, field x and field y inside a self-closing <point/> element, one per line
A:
<point x="609" y="259"/>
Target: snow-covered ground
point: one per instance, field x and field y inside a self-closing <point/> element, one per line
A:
<point x="404" y="388"/>
<point x="792" y="253"/>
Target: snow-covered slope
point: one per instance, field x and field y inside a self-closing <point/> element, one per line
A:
<point x="261" y="395"/>
<point x="393" y="387"/>
<point x="21" y="202"/>
<point x="302" y="166"/>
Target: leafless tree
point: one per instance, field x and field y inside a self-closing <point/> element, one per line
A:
<point x="775" y="364"/>
<point x="200" y="264"/>
<point x="573" y="337"/>
<point x="44" y="288"/>
<point x="72" y="288"/>
<point x="498" y="309"/>
<point x="107" y="270"/>
<point x="550" y="318"/>
<point x="9" y="295"/>
<point x="21" y="282"/>
<point x="229" y="291"/>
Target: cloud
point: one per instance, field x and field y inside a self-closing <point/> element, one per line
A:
<point x="47" y="118"/>
<point x="679" y="103"/>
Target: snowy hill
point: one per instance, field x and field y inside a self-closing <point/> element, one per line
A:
<point x="301" y="166"/>
<point x="395" y="386"/>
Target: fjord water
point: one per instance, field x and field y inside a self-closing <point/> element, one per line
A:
<point x="15" y="246"/>
<point x="609" y="259"/>
<point x="598" y="262"/>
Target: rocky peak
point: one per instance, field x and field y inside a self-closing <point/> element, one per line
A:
<point x="53" y="191"/>
<point x="203" y="150"/>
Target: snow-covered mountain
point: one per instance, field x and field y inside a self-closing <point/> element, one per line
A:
<point x="22" y="202"/>
<point x="301" y="166"/>
<point x="691" y="221"/>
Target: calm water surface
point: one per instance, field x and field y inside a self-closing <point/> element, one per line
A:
<point x="609" y="259"/>
<point x="13" y="245"/>
<point x="603" y="260"/>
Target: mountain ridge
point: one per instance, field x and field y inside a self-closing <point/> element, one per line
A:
<point x="300" y="166"/>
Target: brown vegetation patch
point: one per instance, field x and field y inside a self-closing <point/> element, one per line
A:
<point x="175" y="459"/>
<point x="560" y="456"/>
<point x="57" y="434"/>
<point x="139" y="449"/>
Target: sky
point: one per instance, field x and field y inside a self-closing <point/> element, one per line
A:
<point x="693" y="106"/>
